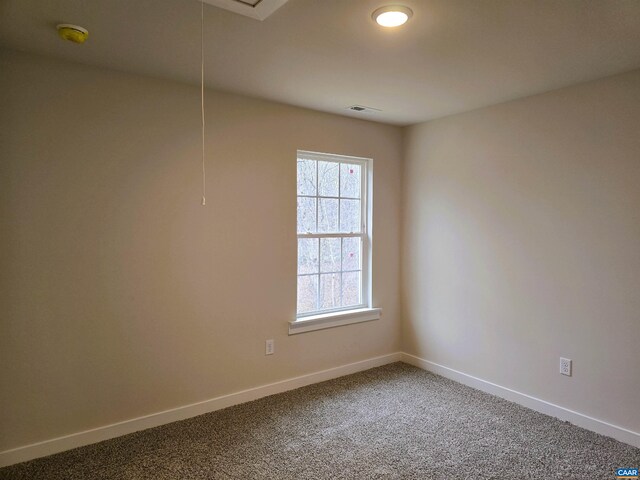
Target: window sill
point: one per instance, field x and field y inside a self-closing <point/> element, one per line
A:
<point x="335" y="319"/>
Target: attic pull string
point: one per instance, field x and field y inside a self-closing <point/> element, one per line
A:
<point x="204" y="174"/>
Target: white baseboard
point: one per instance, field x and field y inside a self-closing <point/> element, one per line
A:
<point x="67" y="442"/>
<point x="542" y="406"/>
<point x="79" y="439"/>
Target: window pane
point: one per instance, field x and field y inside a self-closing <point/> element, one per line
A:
<point x="328" y="212"/>
<point x="307" y="255"/>
<point x="306" y="214"/>
<point x="330" y="255"/>
<point x="328" y="178"/>
<point x="330" y="195"/>
<point x="351" y="289"/>
<point x="306" y="177"/>
<point x="330" y="291"/>
<point x="351" y="253"/>
<point x="307" y="293"/>
<point x="350" y="216"/>
<point x="349" y="180"/>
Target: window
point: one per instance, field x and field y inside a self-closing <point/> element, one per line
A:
<point x="333" y="234"/>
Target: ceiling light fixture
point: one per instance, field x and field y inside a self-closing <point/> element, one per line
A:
<point x="392" y="16"/>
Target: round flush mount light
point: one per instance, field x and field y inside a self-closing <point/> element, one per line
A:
<point x="392" y="16"/>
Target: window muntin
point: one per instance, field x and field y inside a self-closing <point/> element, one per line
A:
<point x="332" y="233"/>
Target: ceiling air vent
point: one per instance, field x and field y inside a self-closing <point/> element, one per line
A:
<point x="258" y="9"/>
<point x="362" y="108"/>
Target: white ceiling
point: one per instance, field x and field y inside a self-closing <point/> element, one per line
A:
<point x="452" y="56"/>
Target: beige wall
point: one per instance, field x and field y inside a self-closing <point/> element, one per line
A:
<point x="522" y="244"/>
<point x="120" y="295"/>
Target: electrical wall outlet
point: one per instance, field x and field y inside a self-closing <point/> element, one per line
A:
<point x="269" y="347"/>
<point x="565" y="366"/>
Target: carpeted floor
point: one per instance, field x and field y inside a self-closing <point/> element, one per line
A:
<point x="392" y="422"/>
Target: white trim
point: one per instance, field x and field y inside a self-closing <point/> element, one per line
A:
<point x="79" y="439"/>
<point x="336" y="319"/>
<point x="367" y="264"/>
<point x="366" y="217"/>
<point x="331" y="157"/>
<point x="87" y="437"/>
<point x="595" y="425"/>
<point x="262" y="10"/>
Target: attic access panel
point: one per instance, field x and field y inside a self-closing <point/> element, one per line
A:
<point x="257" y="9"/>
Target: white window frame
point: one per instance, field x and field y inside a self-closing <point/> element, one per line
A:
<point x="363" y="312"/>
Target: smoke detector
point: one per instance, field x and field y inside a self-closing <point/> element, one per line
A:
<point x="73" y="33"/>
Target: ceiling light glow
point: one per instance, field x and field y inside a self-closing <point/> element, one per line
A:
<point x="392" y="16"/>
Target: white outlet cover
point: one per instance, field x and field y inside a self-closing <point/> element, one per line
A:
<point x="269" y="347"/>
<point x="565" y="366"/>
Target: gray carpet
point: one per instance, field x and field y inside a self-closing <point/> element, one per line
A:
<point x="392" y="422"/>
